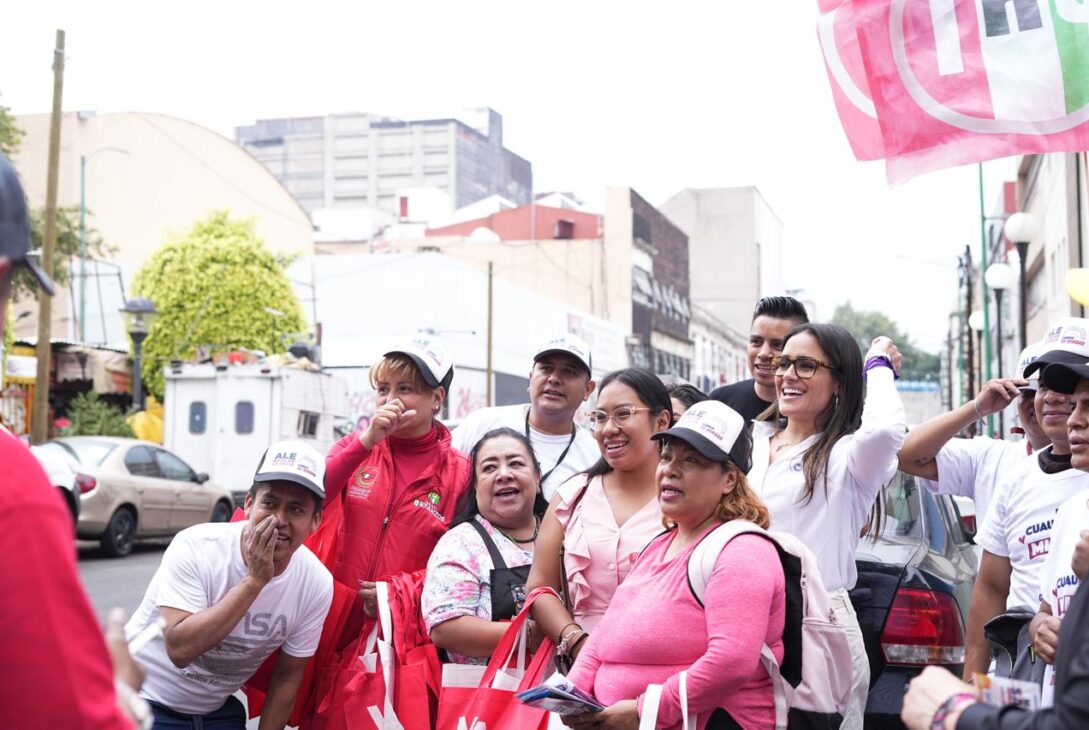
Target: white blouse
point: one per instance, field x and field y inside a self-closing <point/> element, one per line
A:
<point x="859" y="465"/>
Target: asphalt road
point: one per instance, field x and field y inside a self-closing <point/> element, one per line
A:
<point x="118" y="581"/>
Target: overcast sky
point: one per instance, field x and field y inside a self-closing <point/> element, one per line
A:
<point x="651" y="95"/>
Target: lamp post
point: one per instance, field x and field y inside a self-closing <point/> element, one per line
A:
<point x="138" y="315"/>
<point x="999" y="277"/>
<point x="975" y="327"/>
<point x="1022" y="229"/>
<point x="83" y="160"/>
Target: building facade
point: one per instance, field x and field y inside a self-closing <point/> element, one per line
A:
<point x="360" y="160"/>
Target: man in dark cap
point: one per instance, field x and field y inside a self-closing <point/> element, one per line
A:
<point x="56" y="669"/>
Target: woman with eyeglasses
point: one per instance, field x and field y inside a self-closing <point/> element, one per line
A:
<point x="821" y="455"/>
<point x="599" y="521"/>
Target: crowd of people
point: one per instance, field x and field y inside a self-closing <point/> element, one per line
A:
<point x="604" y="508"/>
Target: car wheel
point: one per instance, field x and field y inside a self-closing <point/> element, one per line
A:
<point x="117" y="539"/>
<point x="221" y="512"/>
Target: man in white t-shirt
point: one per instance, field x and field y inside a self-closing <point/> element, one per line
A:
<point x="227" y="595"/>
<point x="1016" y="534"/>
<point x="1058" y="577"/>
<point x="560" y="381"/>
<point x="973" y="467"/>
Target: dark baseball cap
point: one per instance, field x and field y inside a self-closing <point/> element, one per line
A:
<point x="1063" y="377"/>
<point x="15" y="224"/>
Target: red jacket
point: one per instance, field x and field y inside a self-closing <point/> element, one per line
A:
<point x="382" y="533"/>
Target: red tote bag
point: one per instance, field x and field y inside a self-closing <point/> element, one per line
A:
<point x="486" y="706"/>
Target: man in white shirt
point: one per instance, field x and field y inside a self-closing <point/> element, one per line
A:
<point x="973" y="467"/>
<point x="1016" y="534"/>
<point x="560" y="381"/>
<point x="227" y="595"/>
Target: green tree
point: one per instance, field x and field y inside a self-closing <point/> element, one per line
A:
<point x="214" y="286"/>
<point x="10" y="134"/>
<point x="866" y="325"/>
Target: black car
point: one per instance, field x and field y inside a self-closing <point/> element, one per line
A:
<point x="915" y="577"/>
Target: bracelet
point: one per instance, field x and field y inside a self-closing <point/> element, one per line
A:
<point x="559" y="636"/>
<point x="949" y="707"/>
<point x="880" y="361"/>
<point x="566" y="645"/>
<point x="979" y="414"/>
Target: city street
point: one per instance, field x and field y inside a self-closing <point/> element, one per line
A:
<point x="118" y="581"/>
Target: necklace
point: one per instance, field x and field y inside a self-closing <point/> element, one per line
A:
<point x="527" y="540"/>
<point x="780" y="447"/>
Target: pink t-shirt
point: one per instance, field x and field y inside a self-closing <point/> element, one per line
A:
<point x="598" y="554"/>
<point x="655" y="629"/>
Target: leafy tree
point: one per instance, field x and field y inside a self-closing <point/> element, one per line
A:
<point x="10" y="134"/>
<point x="214" y="286"/>
<point x="65" y="249"/>
<point x="866" y="325"/>
<point x="90" y="416"/>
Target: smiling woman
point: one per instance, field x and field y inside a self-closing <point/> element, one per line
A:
<point x="476" y="577"/>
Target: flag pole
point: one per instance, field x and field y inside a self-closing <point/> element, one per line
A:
<point x="983" y="293"/>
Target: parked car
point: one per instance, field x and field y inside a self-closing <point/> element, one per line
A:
<point x="131" y="489"/>
<point x="914" y="584"/>
<point x="60" y="467"/>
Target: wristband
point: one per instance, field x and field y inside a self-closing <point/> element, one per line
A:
<point x="949" y="707"/>
<point x="979" y="414"/>
<point x="880" y="361"/>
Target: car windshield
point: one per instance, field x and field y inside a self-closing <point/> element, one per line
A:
<point x="88" y="452"/>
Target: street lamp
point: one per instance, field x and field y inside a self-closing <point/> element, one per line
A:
<point x="138" y="315"/>
<point x="83" y="160"/>
<point x="975" y="324"/>
<point x="999" y="277"/>
<point x="1022" y="229"/>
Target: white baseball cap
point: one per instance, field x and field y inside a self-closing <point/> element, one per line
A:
<point x="293" y="461"/>
<point x="1067" y="341"/>
<point x="716" y="431"/>
<point x="567" y="344"/>
<point x="431" y="357"/>
<point x="1028" y="356"/>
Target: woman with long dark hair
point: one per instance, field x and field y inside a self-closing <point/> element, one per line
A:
<point x="599" y="521"/>
<point x="822" y="453"/>
<point x="476" y="577"/>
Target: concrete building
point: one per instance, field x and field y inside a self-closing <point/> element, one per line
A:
<point x="403" y="293"/>
<point x="148" y="176"/>
<point x="359" y="160"/>
<point x="719" y="351"/>
<point x="735" y="249"/>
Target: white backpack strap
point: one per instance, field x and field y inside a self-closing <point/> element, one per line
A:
<point x="779" y="686"/>
<point x="651" y="699"/>
<point x="701" y="563"/>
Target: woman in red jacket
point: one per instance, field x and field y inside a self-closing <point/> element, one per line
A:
<point x="393" y="490"/>
<point x="399" y="482"/>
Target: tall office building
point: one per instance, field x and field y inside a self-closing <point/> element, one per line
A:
<point x="360" y="160"/>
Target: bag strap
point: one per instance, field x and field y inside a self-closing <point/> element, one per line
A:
<point x="564" y="588"/>
<point x="497" y="558"/>
<point x="782" y="690"/>
<point x="701" y="563"/>
<point x="515" y="639"/>
<point x="652" y="700"/>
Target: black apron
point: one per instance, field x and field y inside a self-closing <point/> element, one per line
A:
<point x="508" y="585"/>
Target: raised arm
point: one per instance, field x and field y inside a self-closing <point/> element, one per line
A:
<point x="873" y="449"/>
<point x="918" y="455"/>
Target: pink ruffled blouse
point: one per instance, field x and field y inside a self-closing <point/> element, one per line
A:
<point x="598" y="554"/>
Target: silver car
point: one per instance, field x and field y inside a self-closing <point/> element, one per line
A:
<point x="131" y="489"/>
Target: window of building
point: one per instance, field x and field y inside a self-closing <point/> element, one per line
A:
<point x="198" y="416"/>
<point x="563" y="229"/>
<point x="243" y="417"/>
<point x="308" y="423"/>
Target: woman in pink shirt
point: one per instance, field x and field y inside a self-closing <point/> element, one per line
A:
<point x="655" y="628"/>
<point x="598" y="522"/>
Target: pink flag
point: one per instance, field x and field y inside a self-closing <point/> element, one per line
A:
<point x="847" y="74"/>
<point x="959" y="81"/>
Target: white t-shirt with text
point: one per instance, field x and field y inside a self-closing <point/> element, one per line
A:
<point x="547" y="447"/>
<point x="974" y="468"/>
<point x="198" y="569"/>
<point x="1019" y="522"/>
<point x="1057" y="580"/>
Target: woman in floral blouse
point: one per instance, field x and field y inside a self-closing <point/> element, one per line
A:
<point x="477" y="573"/>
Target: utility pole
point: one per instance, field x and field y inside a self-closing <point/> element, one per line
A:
<point x="40" y="413"/>
<point x="491" y="310"/>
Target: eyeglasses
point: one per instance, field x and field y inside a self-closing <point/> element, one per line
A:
<point x="804" y="367"/>
<point x="621" y="417"/>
